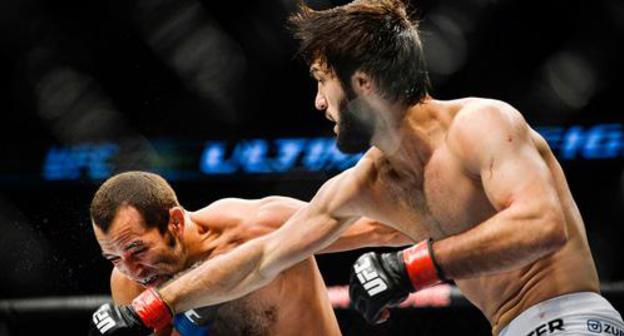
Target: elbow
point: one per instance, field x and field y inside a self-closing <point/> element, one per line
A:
<point x="268" y="266"/>
<point x="262" y="277"/>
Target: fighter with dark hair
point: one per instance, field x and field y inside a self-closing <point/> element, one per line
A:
<point x="469" y="179"/>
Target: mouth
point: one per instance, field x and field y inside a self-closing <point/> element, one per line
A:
<point x="329" y="117"/>
<point x="154" y="280"/>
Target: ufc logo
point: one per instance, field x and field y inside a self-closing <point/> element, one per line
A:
<point x="369" y="279"/>
<point x="193" y="316"/>
<point x="102" y="320"/>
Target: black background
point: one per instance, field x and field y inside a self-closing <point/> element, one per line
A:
<point x="197" y="70"/>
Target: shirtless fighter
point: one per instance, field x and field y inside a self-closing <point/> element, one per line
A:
<point x="468" y="178"/>
<point x="149" y="237"/>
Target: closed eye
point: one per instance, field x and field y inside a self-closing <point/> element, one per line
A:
<point x="113" y="260"/>
<point x="139" y="252"/>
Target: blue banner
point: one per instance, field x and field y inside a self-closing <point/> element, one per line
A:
<point x="181" y="160"/>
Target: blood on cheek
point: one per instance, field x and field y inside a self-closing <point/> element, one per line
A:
<point x="129" y="257"/>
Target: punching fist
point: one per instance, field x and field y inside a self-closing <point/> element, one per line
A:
<point x="146" y="313"/>
<point x="117" y="320"/>
<point x="380" y="281"/>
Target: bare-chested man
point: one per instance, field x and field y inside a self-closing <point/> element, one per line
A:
<point x="468" y="178"/>
<point x="149" y="237"/>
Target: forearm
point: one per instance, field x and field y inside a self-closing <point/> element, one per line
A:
<point x="504" y="242"/>
<point x="223" y="278"/>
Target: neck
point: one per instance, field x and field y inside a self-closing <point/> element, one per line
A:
<point x="192" y="242"/>
<point x="417" y="131"/>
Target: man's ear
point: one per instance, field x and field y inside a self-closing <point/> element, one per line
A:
<point x="362" y="83"/>
<point x="176" y="220"/>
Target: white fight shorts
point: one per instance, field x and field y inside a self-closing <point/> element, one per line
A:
<point x="583" y="313"/>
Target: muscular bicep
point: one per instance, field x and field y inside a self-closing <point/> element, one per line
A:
<point x="366" y="232"/>
<point x="517" y="175"/>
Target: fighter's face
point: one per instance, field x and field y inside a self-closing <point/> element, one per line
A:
<point x="351" y="115"/>
<point x="142" y="254"/>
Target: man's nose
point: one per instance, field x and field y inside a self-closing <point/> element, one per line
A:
<point x="320" y="102"/>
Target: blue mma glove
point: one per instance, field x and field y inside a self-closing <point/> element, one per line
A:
<point x="195" y="322"/>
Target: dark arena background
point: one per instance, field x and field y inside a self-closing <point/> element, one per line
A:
<point x="210" y="95"/>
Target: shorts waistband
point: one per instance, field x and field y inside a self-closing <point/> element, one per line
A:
<point x="560" y="306"/>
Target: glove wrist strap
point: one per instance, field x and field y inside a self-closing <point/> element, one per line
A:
<point x="152" y="309"/>
<point x="420" y="265"/>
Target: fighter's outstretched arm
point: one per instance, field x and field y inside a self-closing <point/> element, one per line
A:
<point x="251" y="219"/>
<point x="255" y="263"/>
<point x="530" y="222"/>
<point x="263" y="216"/>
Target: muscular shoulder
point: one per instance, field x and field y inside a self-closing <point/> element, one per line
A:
<point x="247" y="219"/>
<point x="273" y="211"/>
<point x="223" y="212"/>
<point x="226" y="213"/>
<point x="484" y="118"/>
<point x="484" y="127"/>
<point x="123" y="289"/>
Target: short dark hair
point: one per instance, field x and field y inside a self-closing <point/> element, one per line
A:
<point x="148" y="193"/>
<point x="377" y="37"/>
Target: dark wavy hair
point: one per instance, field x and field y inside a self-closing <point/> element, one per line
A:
<point x="377" y="37"/>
